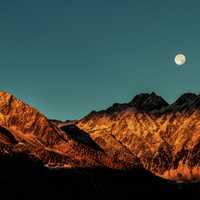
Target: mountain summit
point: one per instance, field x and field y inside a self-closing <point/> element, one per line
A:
<point x="148" y="102"/>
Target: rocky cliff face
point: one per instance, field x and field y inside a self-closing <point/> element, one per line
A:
<point x="25" y="130"/>
<point x="165" y="138"/>
<point x="146" y="132"/>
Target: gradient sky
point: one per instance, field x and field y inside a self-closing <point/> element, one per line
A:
<point x="68" y="57"/>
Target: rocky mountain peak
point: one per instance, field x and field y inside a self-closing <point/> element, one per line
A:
<point x="148" y="102"/>
<point x="186" y="98"/>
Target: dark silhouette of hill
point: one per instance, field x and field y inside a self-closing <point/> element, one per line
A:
<point x="23" y="177"/>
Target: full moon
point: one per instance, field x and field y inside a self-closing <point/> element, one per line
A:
<point x="180" y="59"/>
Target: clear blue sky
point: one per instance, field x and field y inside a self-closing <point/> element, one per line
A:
<point x="68" y="57"/>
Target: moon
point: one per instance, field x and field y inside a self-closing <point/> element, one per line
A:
<point x="180" y="59"/>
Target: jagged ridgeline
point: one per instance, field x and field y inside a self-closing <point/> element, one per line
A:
<point x="146" y="133"/>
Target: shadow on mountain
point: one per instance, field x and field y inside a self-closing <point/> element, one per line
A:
<point x="7" y="136"/>
<point x="26" y="178"/>
<point x="80" y="136"/>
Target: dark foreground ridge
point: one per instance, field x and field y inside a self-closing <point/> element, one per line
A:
<point x="26" y="178"/>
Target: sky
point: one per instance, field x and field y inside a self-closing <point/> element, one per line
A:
<point x="69" y="57"/>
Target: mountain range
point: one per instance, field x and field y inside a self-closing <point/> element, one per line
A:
<point x="145" y="134"/>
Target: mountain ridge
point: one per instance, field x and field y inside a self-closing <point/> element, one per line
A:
<point x="143" y="100"/>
